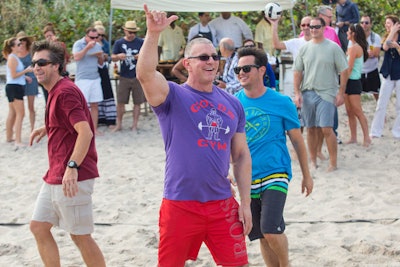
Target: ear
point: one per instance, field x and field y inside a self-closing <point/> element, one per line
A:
<point x="186" y="63"/>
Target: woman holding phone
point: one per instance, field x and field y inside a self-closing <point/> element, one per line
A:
<point x="390" y="71"/>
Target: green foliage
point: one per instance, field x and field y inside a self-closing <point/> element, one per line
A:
<point x="72" y="17"/>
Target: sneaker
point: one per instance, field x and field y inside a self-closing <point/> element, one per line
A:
<point x="339" y="141"/>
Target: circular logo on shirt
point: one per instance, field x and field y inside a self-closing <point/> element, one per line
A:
<point x="257" y="124"/>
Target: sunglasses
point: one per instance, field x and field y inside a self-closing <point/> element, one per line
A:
<point x="317" y="27"/>
<point x="245" y="68"/>
<point x="102" y="35"/>
<point x="207" y="57"/>
<point x="305" y="25"/>
<point x="364" y="22"/>
<point x="93" y="37"/>
<point x="131" y="32"/>
<point x="41" y="62"/>
<point x="249" y="46"/>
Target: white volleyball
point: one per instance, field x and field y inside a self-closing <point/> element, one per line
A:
<point x="273" y="10"/>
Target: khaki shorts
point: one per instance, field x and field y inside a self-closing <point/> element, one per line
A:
<point x="74" y="215"/>
<point x="125" y="87"/>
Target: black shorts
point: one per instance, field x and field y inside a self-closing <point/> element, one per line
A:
<point x="353" y="87"/>
<point x="267" y="214"/>
<point x="371" y="82"/>
<point x="15" y="91"/>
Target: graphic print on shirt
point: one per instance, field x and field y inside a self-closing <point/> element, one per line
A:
<point x="257" y="124"/>
<point x="214" y="124"/>
<point x="130" y="56"/>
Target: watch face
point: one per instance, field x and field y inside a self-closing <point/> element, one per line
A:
<point x="72" y="164"/>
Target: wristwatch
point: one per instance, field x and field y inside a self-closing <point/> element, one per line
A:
<point x="72" y="164"/>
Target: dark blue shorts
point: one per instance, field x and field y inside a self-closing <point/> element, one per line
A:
<point x="15" y="91"/>
<point x="267" y="214"/>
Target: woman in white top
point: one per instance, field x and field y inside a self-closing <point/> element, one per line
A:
<point x="15" y="89"/>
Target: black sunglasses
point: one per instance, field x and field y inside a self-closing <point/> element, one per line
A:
<point x="102" y="35"/>
<point x="207" y="57"/>
<point x="41" y="62"/>
<point x="315" y="27"/>
<point x="304" y="25"/>
<point x="93" y="37"/>
<point x="364" y="22"/>
<point x="245" y="68"/>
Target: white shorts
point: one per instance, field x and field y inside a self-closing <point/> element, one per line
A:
<point x="74" y="215"/>
<point x="91" y="89"/>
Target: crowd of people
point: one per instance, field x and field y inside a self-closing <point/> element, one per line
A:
<point x="223" y="125"/>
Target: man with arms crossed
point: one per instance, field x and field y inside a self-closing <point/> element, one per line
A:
<point x="266" y="129"/>
<point x="65" y="197"/>
<point x="202" y="127"/>
<point x="316" y="69"/>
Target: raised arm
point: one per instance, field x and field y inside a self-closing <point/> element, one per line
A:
<point x="275" y="38"/>
<point x="154" y="84"/>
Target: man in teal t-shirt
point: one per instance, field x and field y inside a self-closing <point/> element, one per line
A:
<point x="269" y="117"/>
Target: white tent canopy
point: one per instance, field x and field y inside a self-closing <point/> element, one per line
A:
<point x="199" y="5"/>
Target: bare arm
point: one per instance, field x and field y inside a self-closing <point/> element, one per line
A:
<point x="299" y="146"/>
<point x="70" y="179"/>
<point x="275" y="38"/>
<point x="12" y="64"/>
<point x="297" y="79"/>
<point x="352" y="53"/>
<point x="177" y="71"/>
<point x="241" y="162"/>
<point x="344" y="76"/>
<point x="154" y="84"/>
<point x="79" y="55"/>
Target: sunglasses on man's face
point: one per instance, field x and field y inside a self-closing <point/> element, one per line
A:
<point x="207" y="57"/>
<point x="245" y="68"/>
<point x="41" y="62"/>
<point x="93" y="37"/>
<point x="364" y="22"/>
<point x="317" y="27"/>
<point x="305" y="25"/>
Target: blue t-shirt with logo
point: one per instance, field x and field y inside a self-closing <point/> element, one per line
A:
<point x="267" y="119"/>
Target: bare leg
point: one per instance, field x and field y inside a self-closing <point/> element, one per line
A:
<point x="94" y="111"/>
<point x="46" y="244"/>
<point x="355" y="101"/>
<point x="319" y="145"/>
<point x="32" y="113"/>
<point x="331" y="143"/>
<point x="136" y="113"/>
<point x="352" y="118"/>
<point x="274" y="249"/>
<point x="312" y="143"/>
<point x="19" y="117"/>
<point x="10" y="122"/>
<point x="120" y="114"/>
<point x="91" y="253"/>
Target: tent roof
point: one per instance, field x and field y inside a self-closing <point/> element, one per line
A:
<point x="199" y="5"/>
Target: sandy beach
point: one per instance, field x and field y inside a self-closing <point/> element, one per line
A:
<point x="351" y="219"/>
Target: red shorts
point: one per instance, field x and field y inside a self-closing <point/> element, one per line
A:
<point x="185" y="225"/>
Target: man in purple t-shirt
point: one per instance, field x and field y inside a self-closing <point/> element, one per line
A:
<point x="203" y="128"/>
<point x="68" y="184"/>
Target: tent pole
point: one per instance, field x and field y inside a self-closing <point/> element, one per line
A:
<point x="293" y="25"/>
<point x="110" y="28"/>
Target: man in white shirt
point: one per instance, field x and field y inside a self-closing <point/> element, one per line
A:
<point x="231" y="27"/>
